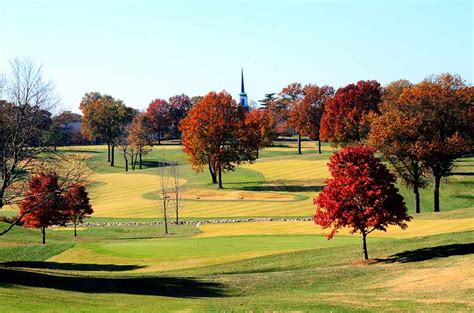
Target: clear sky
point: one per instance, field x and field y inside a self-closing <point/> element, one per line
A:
<point x="141" y="50"/>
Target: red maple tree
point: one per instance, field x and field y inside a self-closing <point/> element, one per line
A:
<point x="78" y="205"/>
<point x="159" y="115"/>
<point x="43" y="204"/>
<point x="360" y="195"/>
<point x="345" y="115"/>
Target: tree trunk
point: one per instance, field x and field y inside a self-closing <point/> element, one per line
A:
<point x="75" y="232"/>
<point x="159" y="137"/>
<point x="108" y="152"/>
<point x="220" y="176"/>
<point x="364" y="242"/>
<point x="112" y="158"/>
<point x="177" y="215"/>
<point x="166" y="220"/>
<point x="126" y="164"/>
<point x="299" y="143"/>
<point x="43" y="233"/>
<point x="437" y="181"/>
<point x="416" y="191"/>
<point x="140" y="160"/>
<point x="319" y="146"/>
<point x="212" y="170"/>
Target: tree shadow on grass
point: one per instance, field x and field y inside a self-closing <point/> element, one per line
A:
<point x="72" y="266"/>
<point x="153" y="286"/>
<point x="80" y="151"/>
<point x="287" y="188"/>
<point x="424" y="254"/>
<point x="153" y="164"/>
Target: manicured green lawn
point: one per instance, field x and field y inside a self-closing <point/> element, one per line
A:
<point x="321" y="275"/>
<point x="282" y="268"/>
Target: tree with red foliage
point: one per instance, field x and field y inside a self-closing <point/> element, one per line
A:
<point x="159" y="115"/>
<point x="212" y="135"/>
<point x="78" y="205"/>
<point x="305" y="115"/>
<point x="50" y="206"/>
<point x="345" y="119"/>
<point x="179" y="108"/>
<point x="360" y="195"/>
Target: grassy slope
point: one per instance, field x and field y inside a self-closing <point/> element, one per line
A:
<point x="424" y="273"/>
<point x="136" y="268"/>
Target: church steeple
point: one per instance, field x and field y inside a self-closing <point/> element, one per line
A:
<point x="242" y="89"/>
<point x="243" y="96"/>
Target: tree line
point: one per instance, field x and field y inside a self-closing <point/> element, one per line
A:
<point x="420" y="129"/>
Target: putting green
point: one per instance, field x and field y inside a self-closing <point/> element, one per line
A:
<point x="180" y="253"/>
<point x="415" y="228"/>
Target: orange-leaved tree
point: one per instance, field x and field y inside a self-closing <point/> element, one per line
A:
<point x="288" y="97"/>
<point x="104" y="118"/>
<point x="138" y="137"/>
<point x="442" y="106"/>
<point x="305" y="115"/>
<point x="361" y="195"/>
<point x="258" y="130"/>
<point x="345" y="118"/>
<point x="212" y="135"/>
<point x="395" y="134"/>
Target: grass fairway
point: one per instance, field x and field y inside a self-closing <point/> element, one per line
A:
<point x="173" y="254"/>
<point x="279" y="183"/>
<point x="110" y="269"/>
<point x="253" y="266"/>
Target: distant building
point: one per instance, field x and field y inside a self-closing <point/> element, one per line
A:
<point x="244" y="102"/>
<point x="71" y="124"/>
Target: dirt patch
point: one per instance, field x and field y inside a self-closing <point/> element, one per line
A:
<point x="458" y="276"/>
<point x="364" y="262"/>
<point x="234" y="196"/>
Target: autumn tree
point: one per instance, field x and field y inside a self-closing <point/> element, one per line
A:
<point x="138" y="137"/>
<point x="345" y="118"/>
<point x="104" y="118"/>
<point x="305" y="115"/>
<point x="395" y="134"/>
<point x="442" y="107"/>
<point x="288" y="97"/>
<point x="258" y="130"/>
<point x="361" y="195"/>
<point x="159" y="115"/>
<point x="179" y="108"/>
<point x="78" y="205"/>
<point x="212" y="135"/>
<point x="50" y="205"/>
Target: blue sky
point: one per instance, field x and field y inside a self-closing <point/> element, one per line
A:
<point x="142" y="50"/>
